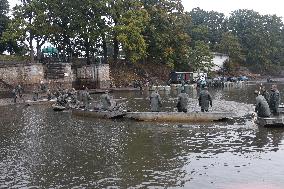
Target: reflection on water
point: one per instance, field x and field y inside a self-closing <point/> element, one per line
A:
<point x="45" y="149"/>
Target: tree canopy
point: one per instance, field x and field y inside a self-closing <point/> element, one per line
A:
<point x="148" y="31"/>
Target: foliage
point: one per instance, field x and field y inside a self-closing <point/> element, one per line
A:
<point x="230" y="45"/>
<point x="259" y="36"/>
<point x="130" y="33"/>
<point x="144" y="31"/>
<point x="4" y="20"/>
<point x="201" y="57"/>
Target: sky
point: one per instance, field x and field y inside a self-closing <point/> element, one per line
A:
<point x="227" y="6"/>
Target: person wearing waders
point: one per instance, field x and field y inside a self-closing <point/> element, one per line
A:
<point x="86" y="98"/>
<point x="182" y="102"/>
<point x="264" y="93"/>
<point x="274" y="100"/>
<point x="204" y="99"/>
<point x="107" y="102"/>
<point x="14" y="95"/>
<point x="155" y="101"/>
<point x="19" y="90"/>
<point x="262" y="107"/>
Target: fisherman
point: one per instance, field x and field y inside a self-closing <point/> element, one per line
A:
<point x="49" y="95"/>
<point x="262" y="107"/>
<point x="264" y="93"/>
<point x="205" y="99"/>
<point x="107" y="102"/>
<point x="86" y="98"/>
<point x="19" y="90"/>
<point x="14" y="95"/>
<point x="155" y="101"/>
<point x="274" y="100"/>
<point x="182" y="101"/>
<point x="60" y="99"/>
<point x="43" y="87"/>
<point x="202" y="81"/>
<point x="36" y="93"/>
<point x="74" y="98"/>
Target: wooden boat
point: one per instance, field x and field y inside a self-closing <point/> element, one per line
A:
<point x="281" y="108"/>
<point x="125" y="89"/>
<point x="180" y="116"/>
<point x="98" y="91"/>
<point x="99" y="113"/>
<point x="58" y="108"/>
<point x="272" y="121"/>
<point x="39" y="102"/>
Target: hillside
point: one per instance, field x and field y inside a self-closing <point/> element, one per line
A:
<point x="123" y="74"/>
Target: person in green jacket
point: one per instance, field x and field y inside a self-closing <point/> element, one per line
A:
<point x="182" y="102"/>
<point x="205" y="99"/>
<point x="155" y="102"/>
<point x="274" y="100"/>
<point x="262" y="107"/>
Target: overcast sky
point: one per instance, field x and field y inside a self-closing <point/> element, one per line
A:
<point x="226" y="6"/>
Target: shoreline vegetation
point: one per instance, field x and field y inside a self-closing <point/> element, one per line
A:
<point x="138" y="31"/>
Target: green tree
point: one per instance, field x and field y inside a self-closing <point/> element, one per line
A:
<point x="29" y="24"/>
<point x="165" y="34"/>
<point x="230" y="45"/>
<point x="4" y="20"/>
<point x="259" y="36"/>
<point x="201" y="57"/>
<point x="130" y="33"/>
<point x="206" y="26"/>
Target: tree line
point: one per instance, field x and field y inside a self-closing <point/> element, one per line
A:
<point x="151" y="31"/>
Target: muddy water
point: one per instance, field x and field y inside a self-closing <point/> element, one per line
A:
<point x="45" y="149"/>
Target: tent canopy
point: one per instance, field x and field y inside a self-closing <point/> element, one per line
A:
<point x="49" y="50"/>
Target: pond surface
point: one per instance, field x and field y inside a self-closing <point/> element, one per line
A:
<point x="41" y="148"/>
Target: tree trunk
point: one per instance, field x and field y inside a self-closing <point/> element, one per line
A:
<point x="87" y="46"/>
<point x="31" y="40"/>
<point x="104" y="49"/>
<point x="115" y="43"/>
<point x="115" y="49"/>
<point x="31" y="49"/>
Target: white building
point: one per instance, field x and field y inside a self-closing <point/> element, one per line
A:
<point x="218" y="60"/>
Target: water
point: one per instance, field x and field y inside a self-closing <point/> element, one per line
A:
<point x="41" y="148"/>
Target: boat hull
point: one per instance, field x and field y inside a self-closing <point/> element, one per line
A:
<point x="99" y="114"/>
<point x="273" y="121"/>
<point x="179" y="116"/>
<point x="58" y="108"/>
<point x="39" y="102"/>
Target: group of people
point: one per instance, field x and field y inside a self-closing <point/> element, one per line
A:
<point x="204" y="100"/>
<point x="82" y="99"/>
<point x="17" y="92"/>
<point x="267" y="103"/>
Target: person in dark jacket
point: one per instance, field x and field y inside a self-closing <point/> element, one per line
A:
<point x="86" y="98"/>
<point x="19" y="90"/>
<point x="205" y="99"/>
<point x="107" y="102"/>
<point x="155" y="102"/>
<point x="262" y="107"/>
<point x="182" y="102"/>
<point x="14" y="95"/>
<point x="274" y="100"/>
<point x="265" y="93"/>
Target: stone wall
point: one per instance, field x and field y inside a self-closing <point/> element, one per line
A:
<point x="102" y="75"/>
<point x="86" y="72"/>
<point x="55" y="75"/>
<point x="93" y="76"/>
<point x="21" y="74"/>
<point x="30" y="75"/>
<point x="59" y="75"/>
